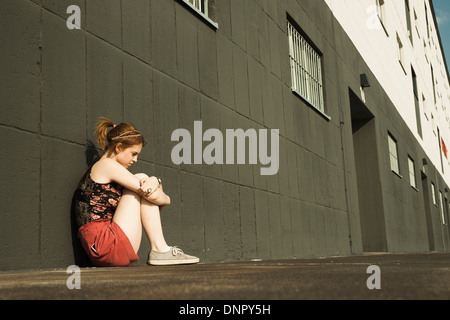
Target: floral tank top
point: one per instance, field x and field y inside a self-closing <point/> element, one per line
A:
<point x="93" y="201"/>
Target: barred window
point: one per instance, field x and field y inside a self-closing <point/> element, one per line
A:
<point x="202" y="7"/>
<point x="306" y="69"/>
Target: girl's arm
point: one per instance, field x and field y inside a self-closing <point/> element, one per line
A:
<point x="157" y="195"/>
<point x="117" y="173"/>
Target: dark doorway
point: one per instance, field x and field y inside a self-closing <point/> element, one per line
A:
<point x="370" y="199"/>
<point x="426" y="202"/>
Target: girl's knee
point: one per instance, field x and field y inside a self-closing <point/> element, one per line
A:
<point x="141" y="176"/>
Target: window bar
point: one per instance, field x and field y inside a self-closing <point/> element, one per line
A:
<point x="318" y="82"/>
<point x="314" y="83"/>
<point x="291" y="57"/>
<point x="293" y="66"/>
<point x="294" y="62"/>
<point x="303" y="68"/>
<point x="319" y="65"/>
<point x="291" y="43"/>
<point x="205" y="7"/>
<point x="308" y="73"/>
<point x="295" y="57"/>
<point x="290" y="50"/>
<point x="310" y="77"/>
<point x="316" y="89"/>
<point x="297" y="67"/>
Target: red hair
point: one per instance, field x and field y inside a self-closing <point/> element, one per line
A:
<point x="123" y="133"/>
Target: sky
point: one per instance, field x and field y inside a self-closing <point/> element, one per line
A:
<point x="442" y="10"/>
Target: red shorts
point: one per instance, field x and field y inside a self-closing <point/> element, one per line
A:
<point x="106" y="244"/>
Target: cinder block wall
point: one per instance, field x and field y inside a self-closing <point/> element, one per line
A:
<point x="158" y="65"/>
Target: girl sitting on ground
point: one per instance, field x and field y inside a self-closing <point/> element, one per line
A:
<point x="112" y="204"/>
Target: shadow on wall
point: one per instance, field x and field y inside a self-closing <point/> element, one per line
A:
<point x="80" y="257"/>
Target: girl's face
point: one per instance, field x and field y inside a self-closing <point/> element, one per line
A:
<point x="127" y="156"/>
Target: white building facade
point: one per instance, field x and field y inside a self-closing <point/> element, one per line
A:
<point x="400" y="42"/>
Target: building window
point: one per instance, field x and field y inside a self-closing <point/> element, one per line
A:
<point x="416" y="23"/>
<point x="380" y="11"/>
<point x="202" y="7"/>
<point x="433" y="193"/>
<point x="433" y="124"/>
<point x="441" y="207"/>
<point x="393" y="154"/>
<point x="400" y="53"/>
<point x="306" y="69"/>
<point x="408" y="21"/>
<point x="412" y="174"/>
<point x="416" y="102"/>
<point x="425" y="106"/>
<point x="433" y="83"/>
<point x="426" y="21"/>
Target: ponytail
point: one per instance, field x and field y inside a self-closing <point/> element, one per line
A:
<point x="124" y="133"/>
<point x="102" y="131"/>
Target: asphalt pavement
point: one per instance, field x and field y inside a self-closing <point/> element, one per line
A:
<point x="364" y="277"/>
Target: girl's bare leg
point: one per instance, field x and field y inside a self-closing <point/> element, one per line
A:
<point x="151" y="220"/>
<point x="132" y="213"/>
<point x="128" y="217"/>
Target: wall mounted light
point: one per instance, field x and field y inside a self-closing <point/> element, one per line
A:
<point x="364" y="81"/>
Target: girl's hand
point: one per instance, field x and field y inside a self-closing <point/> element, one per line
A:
<point x="151" y="189"/>
<point x="148" y="186"/>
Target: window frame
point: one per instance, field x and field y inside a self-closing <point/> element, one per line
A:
<point x="306" y="69"/>
<point x="381" y="7"/>
<point x="202" y="10"/>
<point x="416" y="102"/>
<point x="441" y="208"/>
<point x="408" y="21"/>
<point x="433" y="193"/>
<point x="412" y="172"/>
<point x="392" y="155"/>
<point x="400" y="53"/>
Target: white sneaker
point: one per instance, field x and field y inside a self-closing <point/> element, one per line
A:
<point x="174" y="256"/>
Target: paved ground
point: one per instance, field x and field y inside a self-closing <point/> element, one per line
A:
<point x="402" y="276"/>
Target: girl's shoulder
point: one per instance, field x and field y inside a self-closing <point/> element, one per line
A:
<point x="101" y="170"/>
